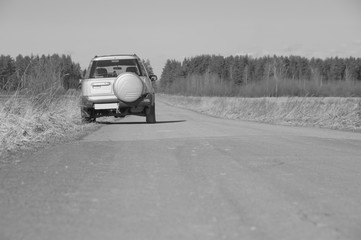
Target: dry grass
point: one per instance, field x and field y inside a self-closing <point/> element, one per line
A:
<point x="32" y="121"/>
<point x="40" y="112"/>
<point x="330" y="112"/>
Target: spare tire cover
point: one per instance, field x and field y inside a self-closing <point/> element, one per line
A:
<point x="128" y="87"/>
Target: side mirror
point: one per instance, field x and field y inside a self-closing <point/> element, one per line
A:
<point x="153" y="78"/>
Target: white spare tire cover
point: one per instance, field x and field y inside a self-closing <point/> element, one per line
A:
<point x="128" y="87"/>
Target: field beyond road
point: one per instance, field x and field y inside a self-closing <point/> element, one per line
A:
<point x="329" y="112"/>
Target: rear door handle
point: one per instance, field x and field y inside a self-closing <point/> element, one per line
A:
<point x="100" y="84"/>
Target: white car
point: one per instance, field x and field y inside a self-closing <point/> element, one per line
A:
<point x="117" y="85"/>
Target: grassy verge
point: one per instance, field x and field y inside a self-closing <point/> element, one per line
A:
<point x="28" y="123"/>
<point x="329" y="112"/>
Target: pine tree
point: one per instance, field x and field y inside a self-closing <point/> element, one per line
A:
<point x="147" y="66"/>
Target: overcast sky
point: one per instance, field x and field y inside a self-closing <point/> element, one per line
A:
<point x="164" y="29"/>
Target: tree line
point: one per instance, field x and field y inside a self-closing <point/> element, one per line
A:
<point x="43" y="71"/>
<point x="38" y="72"/>
<point x="241" y="71"/>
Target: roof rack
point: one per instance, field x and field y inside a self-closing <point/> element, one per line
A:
<point x="114" y="55"/>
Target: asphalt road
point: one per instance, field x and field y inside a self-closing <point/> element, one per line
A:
<point x="189" y="176"/>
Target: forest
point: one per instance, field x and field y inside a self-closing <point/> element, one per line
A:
<point x="246" y="76"/>
<point x="38" y="72"/>
<point x="42" y="72"/>
<point x="203" y="75"/>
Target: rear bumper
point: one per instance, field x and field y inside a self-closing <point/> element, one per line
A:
<point x="89" y="101"/>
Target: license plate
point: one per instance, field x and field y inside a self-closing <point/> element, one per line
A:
<point x="106" y="106"/>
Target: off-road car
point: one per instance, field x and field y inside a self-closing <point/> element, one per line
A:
<point x="117" y="85"/>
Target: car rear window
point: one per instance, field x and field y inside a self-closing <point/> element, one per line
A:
<point x="114" y="67"/>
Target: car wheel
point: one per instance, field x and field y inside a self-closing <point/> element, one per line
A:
<point x="88" y="120"/>
<point x="150" y="115"/>
<point x="87" y="115"/>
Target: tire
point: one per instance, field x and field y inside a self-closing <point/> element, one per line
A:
<point x="87" y="115"/>
<point x="150" y="115"/>
<point x="88" y="120"/>
<point x="128" y="87"/>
